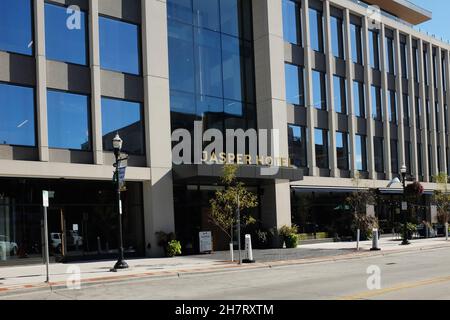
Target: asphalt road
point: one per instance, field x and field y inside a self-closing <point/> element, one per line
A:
<point x="414" y="275"/>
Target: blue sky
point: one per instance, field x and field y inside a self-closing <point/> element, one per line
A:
<point x="440" y="24"/>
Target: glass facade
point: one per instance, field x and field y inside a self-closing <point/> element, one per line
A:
<point x="355" y="40"/>
<point x="211" y="64"/>
<point x="68" y="120"/>
<point x="17" y="124"/>
<point x="125" y="118"/>
<point x="16" y="26"/>
<point x="358" y="99"/>
<point x="378" y="145"/>
<point x="374" y="49"/>
<point x="392" y="107"/>
<point x="316" y="29"/>
<point x="297" y="145"/>
<point x="61" y="42"/>
<point x="361" y="153"/>
<point x="120" y="48"/>
<point x="377" y="109"/>
<point x="390" y="62"/>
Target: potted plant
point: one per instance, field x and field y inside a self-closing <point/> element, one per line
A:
<point x="173" y="248"/>
<point x="289" y="236"/>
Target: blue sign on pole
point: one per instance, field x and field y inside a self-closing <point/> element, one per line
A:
<point x="122" y="174"/>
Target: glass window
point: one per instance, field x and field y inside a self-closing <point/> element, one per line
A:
<point x="319" y="90"/>
<point x="416" y="64"/>
<point x="355" y="37"/>
<point x="444" y="73"/>
<point x="405" y="73"/>
<point x="16" y="26"/>
<point x="119" y="46"/>
<point x="377" y="110"/>
<point x="321" y="146"/>
<point x="17" y="125"/>
<point x="418" y="114"/>
<point x="374" y="49"/>
<point x="294" y="84"/>
<point x="361" y="153"/>
<point x="358" y="99"/>
<point x="392" y="107"/>
<point x="232" y="66"/>
<point x="435" y="71"/>
<point x="408" y="156"/>
<point x="340" y="101"/>
<point x="62" y="43"/>
<point x="379" y="154"/>
<point x="180" y="10"/>
<point x="425" y="66"/>
<point x="419" y="159"/>
<point x="291" y="22"/>
<point x="297" y="145"/>
<point x="316" y="29"/>
<point x="428" y="115"/>
<point x="206" y="14"/>
<point x="406" y="110"/>
<point x="390" y="63"/>
<point x="437" y="116"/>
<point x="68" y="120"/>
<point x="342" y="150"/>
<point x="337" y="37"/>
<point x="394" y="156"/>
<point x="125" y="118"/>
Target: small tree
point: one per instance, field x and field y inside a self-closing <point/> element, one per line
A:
<point x="225" y="203"/>
<point x="441" y="199"/>
<point x="358" y="202"/>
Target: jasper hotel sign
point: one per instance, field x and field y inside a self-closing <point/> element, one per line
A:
<point x="251" y="147"/>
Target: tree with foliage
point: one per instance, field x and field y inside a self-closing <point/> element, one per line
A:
<point x="441" y="199"/>
<point x="358" y="201"/>
<point x="227" y="201"/>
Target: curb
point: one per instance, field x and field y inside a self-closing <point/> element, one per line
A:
<point x="60" y="285"/>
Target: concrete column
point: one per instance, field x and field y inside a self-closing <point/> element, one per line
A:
<point x="350" y="101"/>
<point x="330" y="94"/>
<point x="442" y="139"/>
<point x="310" y="112"/>
<point x="384" y="99"/>
<point x="433" y="157"/>
<point x="41" y="80"/>
<point x="399" y="89"/>
<point x="158" y="193"/>
<point x="368" y="95"/>
<point x="271" y="99"/>
<point x="96" y="90"/>
<point x="423" y="119"/>
<point x="412" y="109"/>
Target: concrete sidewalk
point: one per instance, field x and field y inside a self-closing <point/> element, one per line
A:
<point x="33" y="277"/>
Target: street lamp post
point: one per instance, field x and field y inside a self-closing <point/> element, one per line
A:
<point x="405" y="228"/>
<point x="117" y="146"/>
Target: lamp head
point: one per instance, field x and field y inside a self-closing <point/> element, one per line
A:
<point x="403" y="169"/>
<point x="117" y="143"/>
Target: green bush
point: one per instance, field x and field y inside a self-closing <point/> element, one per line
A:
<point x="291" y="241"/>
<point x="173" y="248"/>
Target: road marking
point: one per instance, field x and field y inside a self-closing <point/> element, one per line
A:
<point x="403" y="286"/>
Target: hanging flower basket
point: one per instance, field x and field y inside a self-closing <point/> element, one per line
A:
<point x="414" y="189"/>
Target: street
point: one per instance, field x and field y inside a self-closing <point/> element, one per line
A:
<point x="404" y="275"/>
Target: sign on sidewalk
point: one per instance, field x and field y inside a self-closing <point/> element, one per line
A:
<point x="205" y="238"/>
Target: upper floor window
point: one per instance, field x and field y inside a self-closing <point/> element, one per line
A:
<point x="17" y="125"/>
<point x="61" y="42"/>
<point x="394" y="156"/>
<point x="444" y="73"/>
<point x="406" y="110"/>
<point x="16" y="26"/>
<point x="405" y="73"/>
<point x="416" y="64"/>
<point x="316" y="29"/>
<point x="435" y="71"/>
<point x="425" y="66"/>
<point x="321" y="147"/>
<point x="297" y="145"/>
<point x="361" y="152"/>
<point x="374" y="49"/>
<point x="125" y="118"/>
<point x="337" y="37"/>
<point x="294" y="84"/>
<point x="319" y="90"/>
<point x="340" y="101"/>
<point x="291" y="22"/>
<point x="355" y="36"/>
<point x="390" y="62"/>
<point x="119" y="46"/>
<point x="392" y="106"/>
<point x="68" y="120"/>
<point x="377" y="109"/>
<point x="378" y="148"/>
<point x="358" y="99"/>
<point x="342" y="150"/>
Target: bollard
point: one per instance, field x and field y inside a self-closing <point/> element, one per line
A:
<point x="375" y="240"/>
<point x="358" y="236"/>
<point x="248" y="250"/>
<point x="231" y="251"/>
<point x="446" y="231"/>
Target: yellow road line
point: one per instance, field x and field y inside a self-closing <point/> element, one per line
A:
<point x="403" y="286"/>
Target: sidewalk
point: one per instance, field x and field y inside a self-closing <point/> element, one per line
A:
<point x="33" y="277"/>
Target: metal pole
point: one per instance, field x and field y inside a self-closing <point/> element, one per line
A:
<point x="405" y="229"/>
<point x="47" y="258"/>
<point x="121" y="264"/>
<point x="239" y="229"/>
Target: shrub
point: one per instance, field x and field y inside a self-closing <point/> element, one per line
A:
<point x="291" y="241"/>
<point x="173" y="248"/>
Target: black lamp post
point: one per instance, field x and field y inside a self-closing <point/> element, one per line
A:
<point x="117" y="146"/>
<point x="405" y="220"/>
